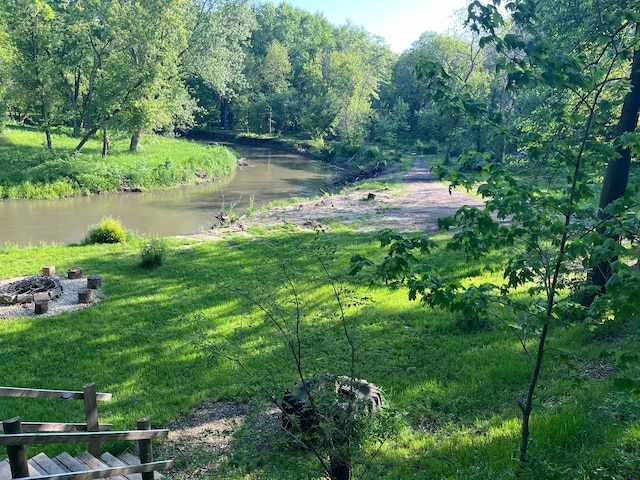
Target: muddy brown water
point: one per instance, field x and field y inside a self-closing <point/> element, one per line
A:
<point x="270" y="175"/>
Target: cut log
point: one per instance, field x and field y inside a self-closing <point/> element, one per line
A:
<point x="94" y="281"/>
<point x="48" y="271"/>
<point x="75" y="272"/>
<point x="41" y="296"/>
<point x="85" y="295"/>
<point x="56" y="292"/>
<point x="42" y="306"/>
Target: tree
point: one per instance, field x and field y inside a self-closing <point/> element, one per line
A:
<point x="550" y="233"/>
<point x="616" y="177"/>
<point x="218" y="33"/>
<point x="33" y="31"/>
<point x="457" y="81"/>
<point x="6" y="57"/>
<point x="274" y="72"/>
<point x="135" y="55"/>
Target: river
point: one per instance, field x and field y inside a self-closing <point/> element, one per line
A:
<point x="270" y="175"/>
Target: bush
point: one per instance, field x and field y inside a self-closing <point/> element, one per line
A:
<point x="429" y="148"/>
<point x="154" y="252"/>
<point x="109" y="230"/>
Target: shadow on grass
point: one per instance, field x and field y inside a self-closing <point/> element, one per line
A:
<point x="149" y="342"/>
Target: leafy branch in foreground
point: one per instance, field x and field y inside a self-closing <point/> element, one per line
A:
<point x="549" y="232"/>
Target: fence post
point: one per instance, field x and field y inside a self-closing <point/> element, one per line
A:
<point x="17" y="453"/>
<point x="144" y="447"/>
<point x="91" y="415"/>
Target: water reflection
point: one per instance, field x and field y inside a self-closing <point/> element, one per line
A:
<point x="269" y="176"/>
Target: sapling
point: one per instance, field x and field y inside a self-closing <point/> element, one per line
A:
<point x="541" y="218"/>
<point x="325" y="405"/>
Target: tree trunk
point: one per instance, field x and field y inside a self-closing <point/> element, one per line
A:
<point x="339" y="470"/>
<point x="527" y="406"/>
<point x="617" y="174"/>
<point x="135" y="141"/>
<point x="47" y="132"/>
<point x="224" y="113"/>
<point x="86" y="138"/>
<point x="106" y="144"/>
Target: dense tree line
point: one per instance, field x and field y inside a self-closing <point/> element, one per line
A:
<point x="125" y="67"/>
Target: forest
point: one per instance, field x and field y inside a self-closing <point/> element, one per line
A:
<point x="125" y="68"/>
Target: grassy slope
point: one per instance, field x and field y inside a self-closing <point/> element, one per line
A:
<point x="31" y="171"/>
<point x="456" y="386"/>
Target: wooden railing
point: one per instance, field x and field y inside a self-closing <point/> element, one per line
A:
<point x="17" y="435"/>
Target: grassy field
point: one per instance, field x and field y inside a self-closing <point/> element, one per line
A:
<point x="32" y="171"/>
<point x="453" y="385"/>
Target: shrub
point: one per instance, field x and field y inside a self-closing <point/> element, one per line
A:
<point x="94" y="183"/>
<point x="429" y="148"/>
<point x="154" y="252"/>
<point x="109" y="230"/>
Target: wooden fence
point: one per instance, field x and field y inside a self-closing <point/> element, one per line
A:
<point x="17" y="435"/>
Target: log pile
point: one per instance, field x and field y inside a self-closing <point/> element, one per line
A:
<point x="30" y="289"/>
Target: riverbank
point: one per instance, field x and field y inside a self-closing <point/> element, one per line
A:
<point x="30" y="171"/>
<point x="404" y="201"/>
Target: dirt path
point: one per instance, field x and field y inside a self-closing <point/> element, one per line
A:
<point x="413" y="205"/>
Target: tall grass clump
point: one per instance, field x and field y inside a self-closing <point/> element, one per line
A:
<point x="153" y="252"/>
<point x="108" y="230"/>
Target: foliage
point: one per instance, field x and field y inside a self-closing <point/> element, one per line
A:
<point x="331" y="425"/>
<point x="107" y="230"/>
<point x="153" y="252"/>
<point x="552" y="233"/>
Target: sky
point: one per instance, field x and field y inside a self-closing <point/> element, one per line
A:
<point x="400" y="22"/>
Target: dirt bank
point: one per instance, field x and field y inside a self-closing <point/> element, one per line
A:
<point x="412" y="205"/>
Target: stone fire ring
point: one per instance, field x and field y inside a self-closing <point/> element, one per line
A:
<point x="29" y="290"/>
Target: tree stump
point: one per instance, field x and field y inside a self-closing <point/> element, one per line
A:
<point x="94" y="281"/>
<point x="42" y="306"/>
<point x="75" y="272"/>
<point x="85" y="295"/>
<point x="48" y="271"/>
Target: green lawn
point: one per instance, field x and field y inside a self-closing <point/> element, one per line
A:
<point x="454" y="386"/>
<point x="32" y="171"/>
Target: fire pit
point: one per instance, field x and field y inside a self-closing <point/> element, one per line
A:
<point x="30" y="289"/>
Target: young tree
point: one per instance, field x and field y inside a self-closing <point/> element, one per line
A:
<point x="551" y="233"/>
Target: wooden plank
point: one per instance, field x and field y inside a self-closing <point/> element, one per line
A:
<point x="59" y="427"/>
<point x="44" y="393"/>
<point x="34" y="465"/>
<point x="133" y="460"/>
<point x="5" y="470"/>
<point x="129" y="459"/>
<point x="47" y="465"/>
<point x="80" y="437"/>
<point x="106" y="473"/>
<point x="114" y="461"/>
<point x="68" y="463"/>
<point x="94" y="464"/>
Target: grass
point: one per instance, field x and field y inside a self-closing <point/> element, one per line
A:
<point x="149" y="343"/>
<point x="32" y="171"/>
